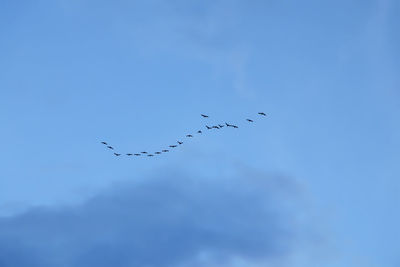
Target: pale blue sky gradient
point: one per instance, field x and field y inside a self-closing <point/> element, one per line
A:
<point x="138" y="74"/>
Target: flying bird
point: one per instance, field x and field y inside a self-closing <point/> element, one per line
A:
<point x="150" y="155"/>
<point x="179" y="142"/>
<point x="208" y="127"/>
<point x="137" y="154"/>
<point x="220" y="125"/>
<point x="173" y="146"/>
<point x="144" y="152"/>
<point x="116" y="154"/>
<point x="157" y="152"/>
<point x="249" y="120"/>
<point x="231" y="125"/>
<point x="104" y="143"/>
<point x="110" y="147"/>
<point x="262" y="113"/>
<point x="165" y="150"/>
<point x="215" y="126"/>
<point x="204" y="116"/>
<point x="129" y="154"/>
<point x="199" y="132"/>
<point x="189" y="135"/>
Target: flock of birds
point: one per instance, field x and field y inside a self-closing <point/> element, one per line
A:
<point x="148" y="154"/>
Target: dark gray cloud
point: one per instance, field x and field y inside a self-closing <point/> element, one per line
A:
<point x="167" y="221"/>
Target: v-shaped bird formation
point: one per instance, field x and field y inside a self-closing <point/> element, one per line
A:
<point x="199" y="132"/>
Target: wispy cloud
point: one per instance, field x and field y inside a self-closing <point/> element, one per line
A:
<point x="204" y="32"/>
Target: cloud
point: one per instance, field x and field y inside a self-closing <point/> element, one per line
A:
<point x="175" y="220"/>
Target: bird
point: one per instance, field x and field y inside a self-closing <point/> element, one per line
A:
<point x="215" y="126"/>
<point x="110" y="147"/>
<point x="144" y="152"/>
<point x="208" y="127"/>
<point x="199" y="132"/>
<point x="104" y="143"/>
<point x="157" y="152"/>
<point x="128" y="154"/>
<point x="220" y="125"/>
<point x="116" y="154"/>
<point x="262" y="113"/>
<point x="249" y="120"/>
<point x="179" y="142"/>
<point x="173" y="146"/>
<point x="137" y="154"/>
<point x="231" y="125"/>
<point x="165" y="150"/>
<point x="189" y="135"/>
<point x="204" y="116"/>
<point x="150" y="155"/>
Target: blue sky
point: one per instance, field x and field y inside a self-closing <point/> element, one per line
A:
<point x="314" y="182"/>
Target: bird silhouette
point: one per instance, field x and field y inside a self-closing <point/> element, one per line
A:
<point x="157" y="152"/>
<point x="165" y="150"/>
<point x="215" y="126"/>
<point x="179" y="142"/>
<point x="144" y="152"/>
<point x="262" y="113"/>
<point x="220" y="125"/>
<point x="116" y="154"/>
<point x="137" y="154"/>
<point x="199" y="132"/>
<point x="129" y="154"/>
<point x="249" y="120"/>
<point x="204" y="116"/>
<point x="110" y="147"/>
<point x="231" y="125"/>
<point x="208" y="127"/>
<point x="150" y="155"/>
<point x="104" y="143"/>
<point x="189" y="135"/>
<point x="173" y="146"/>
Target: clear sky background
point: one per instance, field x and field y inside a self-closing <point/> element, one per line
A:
<point x="315" y="183"/>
